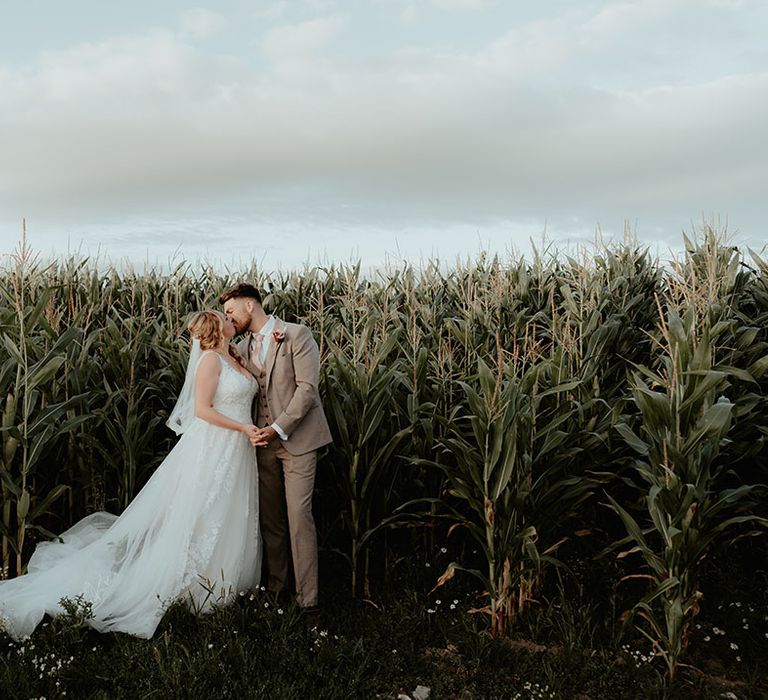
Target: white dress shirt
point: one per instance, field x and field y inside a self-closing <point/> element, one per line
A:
<point x="266" y="332"/>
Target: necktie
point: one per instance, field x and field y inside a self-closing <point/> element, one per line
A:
<point x="256" y="343"/>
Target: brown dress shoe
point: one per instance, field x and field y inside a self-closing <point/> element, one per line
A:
<point x="311" y="617"/>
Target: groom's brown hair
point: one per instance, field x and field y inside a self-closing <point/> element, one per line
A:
<point x="243" y="289"/>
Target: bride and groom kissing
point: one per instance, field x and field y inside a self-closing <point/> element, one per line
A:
<point x="235" y="492"/>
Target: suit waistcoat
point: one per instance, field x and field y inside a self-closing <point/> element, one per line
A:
<point x="264" y="417"/>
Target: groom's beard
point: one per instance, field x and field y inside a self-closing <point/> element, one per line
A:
<point x="240" y="328"/>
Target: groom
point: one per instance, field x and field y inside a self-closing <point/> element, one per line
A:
<point x="285" y="360"/>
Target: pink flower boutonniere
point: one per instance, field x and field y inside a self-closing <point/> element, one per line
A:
<point x="278" y="336"/>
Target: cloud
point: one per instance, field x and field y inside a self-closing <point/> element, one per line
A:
<point x="614" y="19"/>
<point x="531" y="124"/>
<point x="200" y="22"/>
<point x="459" y="4"/>
<point x="296" y="46"/>
<point x="279" y="9"/>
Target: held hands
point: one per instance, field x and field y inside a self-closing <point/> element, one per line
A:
<point x="263" y="436"/>
<point x="259" y="437"/>
<point x="254" y="435"/>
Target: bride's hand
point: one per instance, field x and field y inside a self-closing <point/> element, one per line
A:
<point x="250" y="430"/>
<point x="255" y="436"/>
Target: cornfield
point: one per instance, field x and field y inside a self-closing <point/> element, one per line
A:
<point x="512" y="407"/>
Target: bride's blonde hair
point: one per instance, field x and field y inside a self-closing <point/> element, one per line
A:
<point x="208" y="327"/>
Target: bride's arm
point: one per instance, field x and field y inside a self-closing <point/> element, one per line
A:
<point x="206" y="381"/>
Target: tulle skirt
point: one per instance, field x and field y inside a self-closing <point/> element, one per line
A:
<point x="192" y="533"/>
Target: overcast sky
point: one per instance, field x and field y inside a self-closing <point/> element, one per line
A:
<point x="311" y="130"/>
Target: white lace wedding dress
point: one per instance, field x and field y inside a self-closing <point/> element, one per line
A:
<point x="193" y="528"/>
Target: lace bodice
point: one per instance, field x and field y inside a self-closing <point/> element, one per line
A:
<point x="234" y="393"/>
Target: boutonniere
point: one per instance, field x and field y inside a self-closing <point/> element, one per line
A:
<point x="278" y="336"/>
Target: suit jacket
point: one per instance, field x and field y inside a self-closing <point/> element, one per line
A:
<point x="292" y="376"/>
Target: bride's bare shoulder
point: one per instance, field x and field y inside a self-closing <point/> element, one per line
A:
<point x="209" y="363"/>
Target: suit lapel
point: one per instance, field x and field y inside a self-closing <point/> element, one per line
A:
<point x="269" y="360"/>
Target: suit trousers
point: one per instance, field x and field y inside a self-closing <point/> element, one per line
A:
<point x="286" y="484"/>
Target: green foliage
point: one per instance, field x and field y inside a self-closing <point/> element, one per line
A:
<point x="362" y="403"/>
<point x="693" y="498"/>
<point x="507" y="468"/>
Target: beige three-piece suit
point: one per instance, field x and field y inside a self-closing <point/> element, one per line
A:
<point x="288" y="395"/>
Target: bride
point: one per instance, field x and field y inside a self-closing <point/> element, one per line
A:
<point x="192" y="532"/>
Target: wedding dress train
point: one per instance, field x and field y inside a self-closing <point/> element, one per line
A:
<point x="191" y="533"/>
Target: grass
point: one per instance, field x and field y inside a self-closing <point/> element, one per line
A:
<point x="566" y="647"/>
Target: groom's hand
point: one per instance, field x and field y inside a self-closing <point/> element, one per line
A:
<point x="265" y="436"/>
<point x="254" y="435"/>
